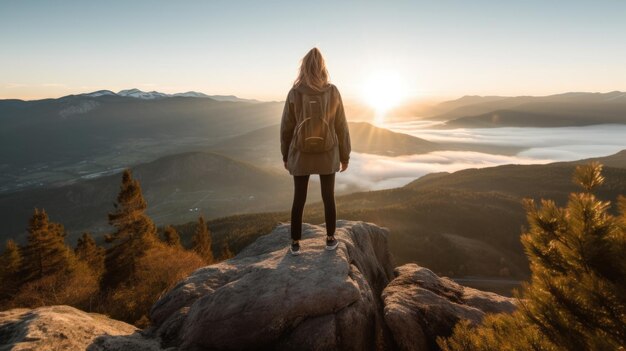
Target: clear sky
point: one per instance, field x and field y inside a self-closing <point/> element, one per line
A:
<point x="252" y="48"/>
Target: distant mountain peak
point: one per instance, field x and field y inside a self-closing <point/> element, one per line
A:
<point x="153" y="95"/>
<point x="129" y="91"/>
<point x="99" y="93"/>
<point x="136" y="93"/>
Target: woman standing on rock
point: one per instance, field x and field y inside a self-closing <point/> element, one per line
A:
<point x="314" y="139"/>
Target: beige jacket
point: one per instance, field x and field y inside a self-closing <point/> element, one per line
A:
<point x="314" y="163"/>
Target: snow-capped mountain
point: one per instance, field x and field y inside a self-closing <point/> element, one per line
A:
<point x="153" y="95"/>
<point x="100" y="93"/>
<point x="136" y="93"/>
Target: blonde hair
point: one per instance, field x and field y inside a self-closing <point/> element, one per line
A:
<point x="313" y="71"/>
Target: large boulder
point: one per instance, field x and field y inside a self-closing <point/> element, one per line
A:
<point x="55" y="328"/>
<point x="265" y="298"/>
<point x="420" y="306"/>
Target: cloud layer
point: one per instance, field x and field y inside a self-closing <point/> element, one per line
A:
<point x="375" y="172"/>
<point x="542" y="145"/>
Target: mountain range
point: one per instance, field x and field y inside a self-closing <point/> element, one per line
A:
<point x="152" y="95"/>
<point x="559" y="110"/>
<point x="53" y="142"/>
<point x="57" y="140"/>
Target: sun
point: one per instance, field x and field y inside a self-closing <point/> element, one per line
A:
<point x="383" y="90"/>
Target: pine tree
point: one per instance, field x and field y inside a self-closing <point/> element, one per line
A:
<point x="45" y="252"/>
<point x="226" y="253"/>
<point x="10" y="263"/>
<point x="11" y="258"/>
<point x="171" y="237"/>
<point x="135" y="232"/>
<point x="202" y="241"/>
<point x="49" y="273"/>
<point x="577" y="293"/>
<point x="576" y="298"/>
<point x="89" y="252"/>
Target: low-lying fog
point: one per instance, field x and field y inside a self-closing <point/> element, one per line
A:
<point x="540" y="145"/>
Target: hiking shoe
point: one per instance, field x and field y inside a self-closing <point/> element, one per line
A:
<point x="295" y="248"/>
<point x="331" y="242"/>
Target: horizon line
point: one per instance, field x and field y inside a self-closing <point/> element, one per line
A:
<point x="442" y="97"/>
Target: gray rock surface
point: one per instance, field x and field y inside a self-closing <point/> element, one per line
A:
<point x="419" y="306"/>
<point x="53" y="328"/>
<point x="265" y="298"/>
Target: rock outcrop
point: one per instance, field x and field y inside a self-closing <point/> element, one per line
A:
<point x="419" y="306"/>
<point x="265" y="298"/>
<point x="54" y="328"/>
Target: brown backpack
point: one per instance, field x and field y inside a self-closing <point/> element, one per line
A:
<point x="314" y="134"/>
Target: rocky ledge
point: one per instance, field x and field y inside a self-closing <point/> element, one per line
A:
<point x="420" y="306"/>
<point x="266" y="299"/>
<point x="53" y="328"/>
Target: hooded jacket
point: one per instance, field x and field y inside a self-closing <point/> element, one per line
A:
<point x="299" y="163"/>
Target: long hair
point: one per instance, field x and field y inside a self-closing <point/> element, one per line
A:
<point x="313" y="71"/>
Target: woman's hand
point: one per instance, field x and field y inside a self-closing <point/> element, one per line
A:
<point x="344" y="166"/>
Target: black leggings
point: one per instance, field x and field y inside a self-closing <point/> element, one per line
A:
<point x="300" y="185"/>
